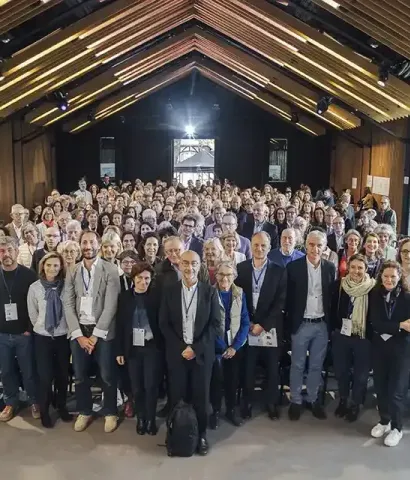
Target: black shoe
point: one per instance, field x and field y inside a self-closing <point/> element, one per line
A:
<point x="164" y="412"/>
<point x="214" y="420"/>
<point x="46" y="420"/>
<point x="141" y="426"/>
<point x="246" y="411"/>
<point x="318" y="411"/>
<point x="203" y="446"/>
<point x="273" y="412"/>
<point x="353" y="413"/>
<point x="64" y="415"/>
<point x="295" y="411"/>
<point x="233" y="418"/>
<point x="341" y="409"/>
<point x="151" y="427"/>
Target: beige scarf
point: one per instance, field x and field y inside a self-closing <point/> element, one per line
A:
<point x="359" y="292"/>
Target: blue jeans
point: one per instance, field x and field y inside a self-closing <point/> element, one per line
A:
<point x="312" y="338"/>
<point x="18" y="347"/>
<point x="103" y="355"/>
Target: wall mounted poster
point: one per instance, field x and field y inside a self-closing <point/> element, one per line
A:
<point x="381" y="185"/>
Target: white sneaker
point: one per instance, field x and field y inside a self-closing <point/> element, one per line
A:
<point x="379" y="430"/>
<point x="393" y="438"/>
<point x="82" y="422"/>
<point x="111" y="423"/>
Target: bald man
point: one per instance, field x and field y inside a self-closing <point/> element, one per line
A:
<point x="190" y="321"/>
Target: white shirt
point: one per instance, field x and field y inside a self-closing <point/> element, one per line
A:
<point x="314" y="302"/>
<point x="86" y="195"/>
<point x="189" y="300"/>
<point x="339" y="241"/>
<point x="88" y="283"/>
<point x="19" y="233"/>
<point x="258" y="226"/>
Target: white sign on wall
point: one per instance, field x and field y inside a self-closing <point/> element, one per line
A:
<point x="354" y="182"/>
<point x="381" y="185"/>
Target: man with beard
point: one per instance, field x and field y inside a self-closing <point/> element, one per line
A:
<point x="92" y="290"/>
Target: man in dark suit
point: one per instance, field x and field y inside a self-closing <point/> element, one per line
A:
<point x="190" y="320"/>
<point x="264" y="284"/>
<point x="188" y="238"/>
<point x="335" y="240"/>
<point x="310" y="287"/>
<point x="260" y="224"/>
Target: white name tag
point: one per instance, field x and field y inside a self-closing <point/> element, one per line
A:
<point x="255" y="299"/>
<point x="86" y="306"/>
<point x="10" y="311"/>
<point x="138" y="337"/>
<point x="386" y="336"/>
<point x="265" y="339"/>
<point x="346" y="327"/>
<point x="229" y="337"/>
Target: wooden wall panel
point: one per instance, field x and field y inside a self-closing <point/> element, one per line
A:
<point x="385" y="157"/>
<point x="27" y="166"/>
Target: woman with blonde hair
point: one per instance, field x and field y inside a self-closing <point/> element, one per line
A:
<point x="51" y="345"/>
<point x="111" y="247"/>
<point x="71" y="253"/>
<point x="212" y="254"/>
<point x="230" y="242"/>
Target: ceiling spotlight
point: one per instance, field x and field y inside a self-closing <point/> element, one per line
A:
<point x="323" y="105"/>
<point x="383" y="75"/>
<point x="61" y="100"/>
<point x="190" y="130"/>
<point x="373" y="43"/>
<point x="294" y="117"/>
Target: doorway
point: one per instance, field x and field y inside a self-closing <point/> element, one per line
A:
<point x="194" y="159"/>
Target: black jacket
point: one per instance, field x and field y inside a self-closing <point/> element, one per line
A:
<point x="272" y="298"/>
<point x="268" y="227"/>
<point x="127" y="302"/>
<point x="207" y="325"/>
<point x="38" y="256"/>
<point x="298" y="290"/>
<point x="378" y="318"/>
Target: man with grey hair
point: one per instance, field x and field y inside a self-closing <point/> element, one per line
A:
<point x="63" y="220"/>
<point x="83" y="193"/>
<point x="259" y="224"/>
<point x="311" y="283"/>
<point x="286" y="253"/>
<point x="230" y="224"/>
<point x="73" y="230"/>
<point x="15" y="227"/>
<point x="16" y="340"/>
<point x="150" y="216"/>
<point x="386" y="214"/>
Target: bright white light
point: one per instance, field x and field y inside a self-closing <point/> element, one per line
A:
<point x="190" y="130"/>
<point x="332" y="3"/>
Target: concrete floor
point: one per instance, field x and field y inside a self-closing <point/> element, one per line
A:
<point x="260" y="450"/>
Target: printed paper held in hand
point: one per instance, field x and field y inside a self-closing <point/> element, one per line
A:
<point x="265" y="339"/>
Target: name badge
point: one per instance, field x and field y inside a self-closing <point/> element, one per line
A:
<point x="255" y="299"/>
<point x="138" y="337"/>
<point x="229" y="337"/>
<point x="10" y="311"/>
<point x="265" y="339"/>
<point x="346" y="327"/>
<point x="86" y="306"/>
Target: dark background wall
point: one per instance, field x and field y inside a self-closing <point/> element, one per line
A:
<point x="144" y="133"/>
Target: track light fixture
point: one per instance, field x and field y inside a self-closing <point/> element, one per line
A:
<point x="323" y="105"/>
<point x="61" y="100"/>
<point x="383" y="75"/>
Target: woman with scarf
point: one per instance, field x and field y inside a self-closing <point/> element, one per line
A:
<point x="389" y="317"/>
<point x="51" y="345"/>
<point x="351" y="347"/>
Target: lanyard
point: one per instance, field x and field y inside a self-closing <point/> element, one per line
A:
<point x="186" y="308"/>
<point x="9" y="291"/>
<point x="86" y="285"/>
<point x="257" y="279"/>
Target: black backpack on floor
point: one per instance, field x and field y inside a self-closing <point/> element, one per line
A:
<point x="182" y="431"/>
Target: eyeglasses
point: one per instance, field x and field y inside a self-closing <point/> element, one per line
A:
<point x="224" y="275"/>
<point x="188" y="226"/>
<point x="405" y="252"/>
<point x="128" y="262"/>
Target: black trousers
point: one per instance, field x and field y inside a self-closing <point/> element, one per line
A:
<point x="190" y="382"/>
<point x="391" y="367"/>
<point x="143" y="365"/>
<point x="124" y="381"/>
<point x="225" y="380"/>
<point x="269" y="357"/>
<point x="53" y="363"/>
<point x="351" y="353"/>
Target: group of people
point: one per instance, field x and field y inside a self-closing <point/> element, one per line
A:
<point x="186" y="291"/>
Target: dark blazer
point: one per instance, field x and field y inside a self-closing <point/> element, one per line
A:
<point x="331" y="242"/>
<point x="125" y="313"/>
<point x="272" y="298"/>
<point x="378" y="319"/>
<point x="207" y="325"/>
<point x="37" y="257"/>
<point x="241" y="216"/>
<point x="248" y="227"/>
<point x="298" y="290"/>
<point x="197" y="246"/>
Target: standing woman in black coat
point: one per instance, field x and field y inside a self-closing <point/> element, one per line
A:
<point x="389" y="316"/>
<point x="137" y="345"/>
